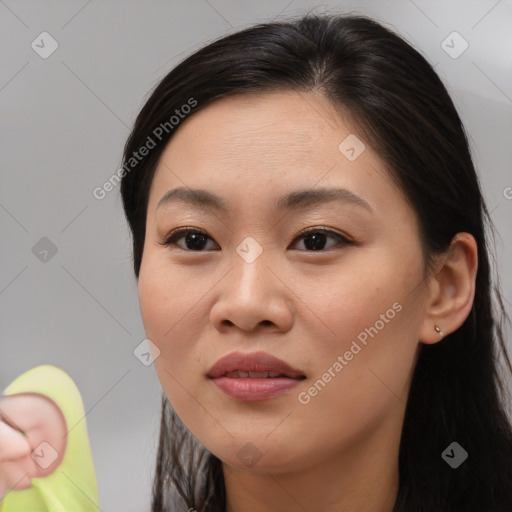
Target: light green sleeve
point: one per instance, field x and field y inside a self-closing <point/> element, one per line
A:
<point x="72" y="487"/>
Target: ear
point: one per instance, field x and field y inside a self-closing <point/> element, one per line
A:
<point x="451" y="289"/>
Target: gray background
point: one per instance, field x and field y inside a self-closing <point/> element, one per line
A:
<point x="64" y="122"/>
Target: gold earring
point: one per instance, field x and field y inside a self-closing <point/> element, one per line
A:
<point x="439" y="331"/>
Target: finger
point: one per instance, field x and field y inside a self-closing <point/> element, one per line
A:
<point x="10" y="422"/>
<point x="13" y="445"/>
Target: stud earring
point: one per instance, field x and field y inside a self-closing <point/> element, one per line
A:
<point x="439" y="331"/>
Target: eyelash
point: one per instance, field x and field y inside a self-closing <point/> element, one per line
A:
<point x="178" y="233"/>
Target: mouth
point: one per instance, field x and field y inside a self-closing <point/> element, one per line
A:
<point x="259" y="365"/>
<point x="254" y="376"/>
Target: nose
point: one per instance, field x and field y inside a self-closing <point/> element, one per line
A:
<point x="252" y="295"/>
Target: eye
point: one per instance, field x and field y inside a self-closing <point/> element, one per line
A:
<point x="195" y="239"/>
<point x="316" y="237"/>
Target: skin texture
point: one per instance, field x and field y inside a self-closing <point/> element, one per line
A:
<point x="41" y="420"/>
<point x="339" y="452"/>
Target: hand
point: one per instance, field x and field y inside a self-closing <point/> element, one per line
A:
<point x="14" y="451"/>
<point x="43" y="403"/>
<point x="26" y="420"/>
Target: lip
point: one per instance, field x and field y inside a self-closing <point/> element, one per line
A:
<point x="253" y="388"/>
<point x="252" y="362"/>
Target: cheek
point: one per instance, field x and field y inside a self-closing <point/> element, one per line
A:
<point x="153" y="290"/>
<point x="159" y="299"/>
<point x="352" y="301"/>
<point x="169" y="296"/>
<point x="171" y="313"/>
<point x="369" y="324"/>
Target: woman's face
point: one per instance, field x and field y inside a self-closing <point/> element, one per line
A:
<point x="347" y="314"/>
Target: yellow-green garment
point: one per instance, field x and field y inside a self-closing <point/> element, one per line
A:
<point x="72" y="487"/>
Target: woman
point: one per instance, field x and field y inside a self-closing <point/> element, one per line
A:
<point x="300" y="374"/>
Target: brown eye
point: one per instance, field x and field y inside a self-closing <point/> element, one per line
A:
<point x="315" y="238"/>
<point x="194" y="239"/>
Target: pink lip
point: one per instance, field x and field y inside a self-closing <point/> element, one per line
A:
<point x="252" y="389"/>
<point x="252" y="362"/>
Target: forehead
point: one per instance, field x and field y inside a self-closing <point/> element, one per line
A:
<point x="265" y="131"/>
<point x="268" y="143"/>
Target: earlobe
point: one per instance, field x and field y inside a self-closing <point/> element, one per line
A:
<point x="452" y="289"/>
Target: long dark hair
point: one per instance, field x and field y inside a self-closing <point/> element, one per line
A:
<point x="405" y="113"/>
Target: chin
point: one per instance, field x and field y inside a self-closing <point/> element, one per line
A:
<point x="257" y="455"/>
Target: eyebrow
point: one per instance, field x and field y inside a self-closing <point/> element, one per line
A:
<point x="296" y="200"/>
